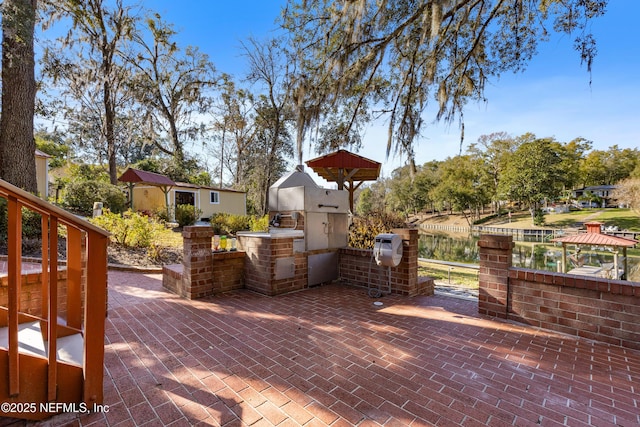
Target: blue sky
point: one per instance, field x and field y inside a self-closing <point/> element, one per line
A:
<point x="552" y="98"/>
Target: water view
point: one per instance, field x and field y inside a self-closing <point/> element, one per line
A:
<point x="529" y="252"/>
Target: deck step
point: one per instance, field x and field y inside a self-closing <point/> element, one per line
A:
<point x="70" y="348"/>
<point x="29" y="339"/>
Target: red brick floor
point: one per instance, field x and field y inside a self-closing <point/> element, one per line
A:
<point x="329" y="356"/>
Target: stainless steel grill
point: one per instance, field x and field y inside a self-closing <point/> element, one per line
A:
<point x="324" y="213"/>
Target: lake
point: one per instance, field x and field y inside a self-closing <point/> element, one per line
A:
<point x="532" y="252"/>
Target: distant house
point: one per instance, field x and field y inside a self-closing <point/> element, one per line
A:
<point x="209" y="200"/>
<point x="42" y="173"/>
<point x="603" y="191"/>
<point x="151" y="192"/>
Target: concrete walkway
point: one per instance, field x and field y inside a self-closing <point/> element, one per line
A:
<point x="330" y="357"/>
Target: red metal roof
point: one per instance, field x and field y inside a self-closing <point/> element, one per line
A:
<point x="596" y="239"/>
<point x="143" y="177"/>
<point x="328" y="166"/>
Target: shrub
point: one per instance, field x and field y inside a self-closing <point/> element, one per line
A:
<point x="237" y="223"/>
<point x="162" y="215"/>
<point x="31" y="222"/>
<point x="155" y="252"/>
<point x="364" y="229"/>
<point x="80" y="196"/>
<point x="259" y="223"/>
<point x="143" y="229"/>
<point x="130" y="229"/>
<point x="223" y="223"/>
<point x="187" y="215"/>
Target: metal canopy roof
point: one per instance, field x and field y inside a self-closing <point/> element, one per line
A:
<point x="346" y="169"/>
<point x="594" y="237"/>
<point x="137" y="176"/>
<point x="343" y="165"/>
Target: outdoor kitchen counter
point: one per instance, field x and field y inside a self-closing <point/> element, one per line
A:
<point x="273" y="234"/>
<point x="275" y="262"/>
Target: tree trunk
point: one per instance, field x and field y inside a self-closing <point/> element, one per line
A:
<point x="178" y="152"/>
<point x="109" y="112"/>
<point x="532" y="211"/>
<point x="267" y="178"/>
<point x="17" y="144"/>
<point x="271" y="158"/>
<point x="265" y="192"/>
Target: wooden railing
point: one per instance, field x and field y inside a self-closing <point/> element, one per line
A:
<point x="86" y="297"/>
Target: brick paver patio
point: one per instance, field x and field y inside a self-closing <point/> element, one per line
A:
<point x="329" y="356"/>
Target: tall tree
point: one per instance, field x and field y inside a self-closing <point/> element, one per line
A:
<point x="17" y="144"/>
<point x="628" y="194"/>
<point x="173" y="85"/>
<point x="572" y="157"/>
<point x="532" y="174"/>
<point x="609" y="166"/>
<point x="412" y="195"/>
<point x="270" y="69"/>
<point x="493" y="150"/>
<point x="88" y="65"/>
<point x="234" y="126"/>
<point x="364" y="204"/>
<point x="54" y="145"/>
<point x="424" y="52"/>
<point x="401" y="195"/>
<point x="460" y="185"/>
<point x="373" y="197"/>
<point x="267" y="155"/>
<point x="337" y="131"/>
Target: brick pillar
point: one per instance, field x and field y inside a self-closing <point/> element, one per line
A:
<point x="495" y="260"/>
<point x="197" y="261"/>
<point x="404" y="277"/>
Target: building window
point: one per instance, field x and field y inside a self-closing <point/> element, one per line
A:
<point x="214" y="198"/>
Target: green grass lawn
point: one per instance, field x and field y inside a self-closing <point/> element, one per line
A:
<point x="569" y="219"/>
<point x="466" y="277"/>
<point x="170" y="237"/>
<point x="625" y="219"/>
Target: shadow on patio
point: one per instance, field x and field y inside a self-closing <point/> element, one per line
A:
<point x="329" y="356"/>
